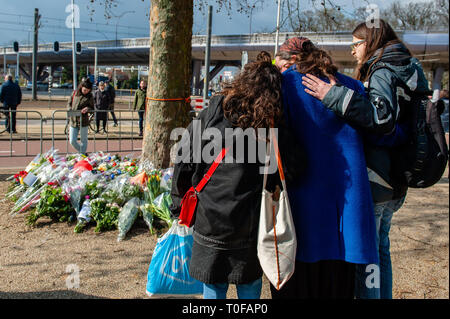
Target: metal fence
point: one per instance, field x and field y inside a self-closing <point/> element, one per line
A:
<point x="36" y="133"/>
<point x="125" y="136"/>
<point x="10" y="137"/>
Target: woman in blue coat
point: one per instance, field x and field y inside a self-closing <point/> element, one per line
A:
<point x="332" y="206"/>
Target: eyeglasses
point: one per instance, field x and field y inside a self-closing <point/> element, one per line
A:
<point x="354" y="45"/>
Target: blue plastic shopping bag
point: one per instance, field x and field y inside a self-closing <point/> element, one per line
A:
<point x="168" y="273"/>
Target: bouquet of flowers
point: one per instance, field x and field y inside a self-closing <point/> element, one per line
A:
<point x="127" y="217"/>
<point x="105" y="214"/>
<point x="53" y="204"/>
<point x="160" y="208"/>
<point x="147" y="215"/>
<point x="84" y="217"/>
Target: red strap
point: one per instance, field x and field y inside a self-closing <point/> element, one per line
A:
<point x="211" y="170"/>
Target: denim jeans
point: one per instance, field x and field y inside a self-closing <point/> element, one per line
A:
<point x="244" y="291"/>
<point x="73" y="137"/>
<point x="375" y="281"/>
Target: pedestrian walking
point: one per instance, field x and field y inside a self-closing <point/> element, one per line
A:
<point x="112" y="96"/>
<point x="11" y="97"/>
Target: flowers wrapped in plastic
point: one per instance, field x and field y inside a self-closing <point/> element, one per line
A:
<point x="108" y="191"/>
<point x="160" y="208"/>
<point x="127" y="217"/>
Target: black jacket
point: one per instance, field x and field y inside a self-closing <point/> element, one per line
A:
<point x="10" y="94"/>
<point x="228" y="208"/>
<point x="112" y="93"/>
<point x="102" y="101"/>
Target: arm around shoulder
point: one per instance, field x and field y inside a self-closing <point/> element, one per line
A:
<point x="376" y="114"/>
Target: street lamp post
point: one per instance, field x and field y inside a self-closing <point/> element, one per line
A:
<point x="17" y="68"/>
<point x="4" y="60"/>
<point x="74" y="54"/>
<point x="278" y="27"/>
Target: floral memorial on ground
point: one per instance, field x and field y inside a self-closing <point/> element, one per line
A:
<point x="107" y="192"/>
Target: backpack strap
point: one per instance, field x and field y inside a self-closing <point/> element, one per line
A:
<point x="421" y="137"/>
<point x="379" y="65"/>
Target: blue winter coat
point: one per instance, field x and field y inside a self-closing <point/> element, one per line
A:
<point x="10" y="94"/>
<point x="332" y="206"/>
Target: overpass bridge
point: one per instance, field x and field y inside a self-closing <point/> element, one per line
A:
<point x="226" y="50"/>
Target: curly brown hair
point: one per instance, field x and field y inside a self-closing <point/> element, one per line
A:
<point x="254" y="97"/>
<point x="264" y="56"/>
<point x="316" y="61"/>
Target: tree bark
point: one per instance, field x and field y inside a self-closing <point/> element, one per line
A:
<point x="169" y="77"/>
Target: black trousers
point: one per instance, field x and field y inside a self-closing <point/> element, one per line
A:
<point x="111" y="107"/>
<point x="10" y="116"/>
<point x="98" y="124"/>
<point x="327" y="279"/>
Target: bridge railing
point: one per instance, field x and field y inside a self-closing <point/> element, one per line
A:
<point x="197" y="40"/>
<point x="200" y="40"/>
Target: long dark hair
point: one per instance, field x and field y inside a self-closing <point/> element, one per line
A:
<point x="84" y="83"/>
<point x="375" y="38"/>
<point x="316" y="61"/>
<point x="254" y="97"/>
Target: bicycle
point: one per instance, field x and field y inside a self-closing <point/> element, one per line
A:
<point x="91" y="125"/>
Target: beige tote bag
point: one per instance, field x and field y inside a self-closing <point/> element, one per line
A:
<point x="277" y="242"/>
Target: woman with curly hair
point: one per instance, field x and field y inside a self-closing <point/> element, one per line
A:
<point x="332" y="205"/>
<point x="227" y="214"/>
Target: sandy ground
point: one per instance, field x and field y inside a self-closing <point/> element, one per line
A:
<point x="34" y="261"/>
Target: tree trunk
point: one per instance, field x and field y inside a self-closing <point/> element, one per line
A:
<point x="169" y="76"/>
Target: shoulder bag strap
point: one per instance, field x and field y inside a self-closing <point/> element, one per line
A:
<point x="211" y="170"/>
<point x="278" y="158"/>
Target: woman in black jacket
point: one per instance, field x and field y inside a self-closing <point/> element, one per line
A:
<point x="228" y="208"/>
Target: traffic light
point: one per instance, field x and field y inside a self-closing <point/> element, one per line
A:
<point x="56" y="46"/>
<point x="78" y="46"/>
<point x="16" y="46"/>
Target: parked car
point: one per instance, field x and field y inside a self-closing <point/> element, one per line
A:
<point x="56" y="85"/>
<point x="40" y="86"/>
<point x="67" y="86"/>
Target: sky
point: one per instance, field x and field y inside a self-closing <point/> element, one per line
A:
<point x="130" y="19"/>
